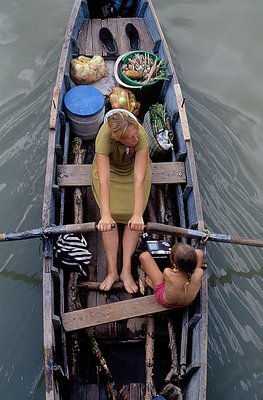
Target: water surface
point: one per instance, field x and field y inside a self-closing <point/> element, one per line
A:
<point x="217" y="50"/>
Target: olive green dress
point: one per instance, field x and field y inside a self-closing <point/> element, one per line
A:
<point x="121" y="173"/>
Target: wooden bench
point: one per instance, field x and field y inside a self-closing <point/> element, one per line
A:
<point x="81" y="175"/>
<point x="107" y="313"/>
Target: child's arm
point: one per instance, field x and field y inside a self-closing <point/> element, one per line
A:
<point x="200" y="256"/>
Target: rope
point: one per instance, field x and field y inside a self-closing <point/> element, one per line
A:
<point x="204" y="240"/>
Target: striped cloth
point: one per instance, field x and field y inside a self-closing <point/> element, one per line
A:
<point x="71" y="251"/>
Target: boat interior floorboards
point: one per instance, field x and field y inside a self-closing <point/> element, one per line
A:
<point x="91" y="28"/>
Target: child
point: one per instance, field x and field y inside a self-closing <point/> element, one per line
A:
<point x="176" y="286"/>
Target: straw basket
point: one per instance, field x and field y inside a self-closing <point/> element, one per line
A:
<point x="155" y="148"/>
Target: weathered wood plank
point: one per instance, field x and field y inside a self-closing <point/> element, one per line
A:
<point x="80" y="175"/>
<point x="145" y="39"/>
<point x="111" y="312"/>
<point x="93" y="239"/>
<point x="168" y="172"/>
<point x="89" y="285"/>
<point x="89" y="42"/>
<point x="90" y="30"/>
<point x="104" y="24"/>
<point x="82" y="37"/>
<point x="112" y="25"/>
<point x="97" y="45"/>
<point x="137" y="391"/>
<point x="182" y="112"/>
<point x="123" y="42"/>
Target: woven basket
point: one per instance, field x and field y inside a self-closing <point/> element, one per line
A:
<point x="155" y="148"/>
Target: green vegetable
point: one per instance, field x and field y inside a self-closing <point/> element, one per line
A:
<point x="158" y="117"/>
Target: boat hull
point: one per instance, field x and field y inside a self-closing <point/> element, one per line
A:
<point x="71" y="375"/>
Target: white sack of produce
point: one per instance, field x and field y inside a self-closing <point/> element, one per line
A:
<point x="84" y="70"/>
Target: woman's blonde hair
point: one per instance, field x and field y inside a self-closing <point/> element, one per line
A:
<point x="119" y="125"/>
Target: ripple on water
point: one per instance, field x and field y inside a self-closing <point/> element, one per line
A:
<point x="232" y="203"/>
<point x="7" y="35"/>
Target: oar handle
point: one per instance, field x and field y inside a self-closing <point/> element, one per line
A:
<point x="195" y="234"/>
<point x="48" y="231"/>
<point x="30" y="234"/>
<point x="70" y="228"/>
<point x="174" y="230"/>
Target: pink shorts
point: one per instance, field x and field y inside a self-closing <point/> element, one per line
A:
<point x="159" y="291"/>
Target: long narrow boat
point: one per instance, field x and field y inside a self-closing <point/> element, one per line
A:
<point x="116" y="345"/>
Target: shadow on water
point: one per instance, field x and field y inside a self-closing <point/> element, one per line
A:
<point x="32" y="280"/>
<point x="228" y="277"/>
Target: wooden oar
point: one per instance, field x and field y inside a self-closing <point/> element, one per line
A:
<point x="194" y="234"/>
<point x="51" y="230"/>
<point x="150" y="227"/>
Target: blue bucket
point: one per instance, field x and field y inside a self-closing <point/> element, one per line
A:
<point x="85" y="108"/>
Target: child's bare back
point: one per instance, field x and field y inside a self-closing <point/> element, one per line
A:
<point x="178" y="290"/>
<point x="179" y="285"/>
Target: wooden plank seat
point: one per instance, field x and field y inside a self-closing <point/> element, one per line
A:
<point x="80" y="175"/>
<point x="107" y="313"/>
<point x="90" y="285"/>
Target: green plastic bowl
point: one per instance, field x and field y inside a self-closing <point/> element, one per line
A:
<point x="125" y="59"/>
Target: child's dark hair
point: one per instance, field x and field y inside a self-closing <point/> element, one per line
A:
<point x="184" y="257"/>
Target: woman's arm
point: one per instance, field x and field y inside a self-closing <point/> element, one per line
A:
<point x="103" y="166"/>
<point x="136" y="222"/>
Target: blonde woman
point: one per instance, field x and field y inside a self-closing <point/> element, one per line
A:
<point x="121" y="180"/>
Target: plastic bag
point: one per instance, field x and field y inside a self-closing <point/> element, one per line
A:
<point x="85" y="70"/>
<point x="125" y="99"/>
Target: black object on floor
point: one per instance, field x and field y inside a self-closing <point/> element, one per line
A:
<point x="133" y="35"/>
<point x="107" y="40"/>
<point x="141" y="247"/>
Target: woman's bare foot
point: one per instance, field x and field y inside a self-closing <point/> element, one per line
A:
<point x="108" y="282"/>
<point x="128" y="282"/>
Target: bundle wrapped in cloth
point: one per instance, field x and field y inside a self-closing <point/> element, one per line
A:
<point x="125" y="99"/>
<point x="85" y="70"/>
<point x="72" y="253"/>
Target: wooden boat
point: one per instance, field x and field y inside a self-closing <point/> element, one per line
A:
<point x="115" y="345"/>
